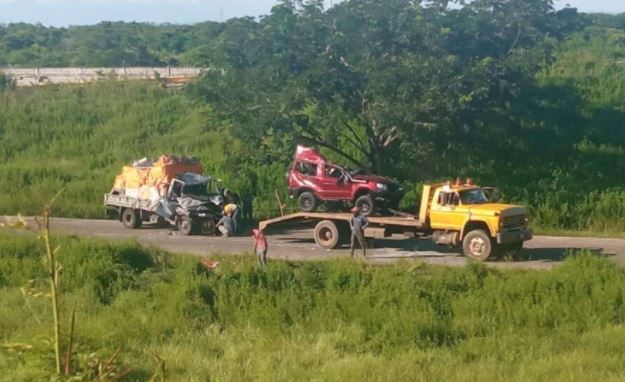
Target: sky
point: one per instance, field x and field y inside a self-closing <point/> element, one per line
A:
<point x="85" y="12"/>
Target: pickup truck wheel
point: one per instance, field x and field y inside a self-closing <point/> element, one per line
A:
<point x="186" y="225"/>
<point x="131" y="218"/>
<point x="477" y="245"/>
<point x="365" y="203"/>
<point x="207" y="227"/>
<point x="327" y="234"/>
<point x="307" y="201"/>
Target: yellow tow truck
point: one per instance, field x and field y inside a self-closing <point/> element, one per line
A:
<point x="461" y="215"/>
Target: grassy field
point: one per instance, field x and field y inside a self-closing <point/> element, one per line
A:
<point x="330" y="320"/>
<point x="80" y="137"/>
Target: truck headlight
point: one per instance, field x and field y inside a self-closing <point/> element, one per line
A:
<point x="381" y="186"/>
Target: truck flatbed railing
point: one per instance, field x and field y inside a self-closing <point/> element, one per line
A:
<point x="404" y="220"/>
<point x="332" y="228"/>
<point x="116" y="200"/>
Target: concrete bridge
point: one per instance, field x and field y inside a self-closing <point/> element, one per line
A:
<point x="48" y="76"/>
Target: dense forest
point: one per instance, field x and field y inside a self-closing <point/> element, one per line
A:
<point x="511" y="92"/>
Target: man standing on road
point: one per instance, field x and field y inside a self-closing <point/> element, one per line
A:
<point x="358" y="223"/>
<point x="260" y="247"/>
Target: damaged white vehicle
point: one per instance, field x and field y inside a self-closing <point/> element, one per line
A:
<point x="192" y="204"/>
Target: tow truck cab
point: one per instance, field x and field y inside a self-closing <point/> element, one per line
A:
<point x="463" y="214"/>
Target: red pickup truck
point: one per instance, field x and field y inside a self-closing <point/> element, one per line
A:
<point x="313" y="179"/>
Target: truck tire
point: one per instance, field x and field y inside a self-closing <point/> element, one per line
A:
<point x="365" y="203"/>
<point x="207" y="227"/>
<point x="131" y="218"/>
<point x="477" y="245"/>
<point x="307" y="201"/>
<point x="186" y="225"/>
<point x="327" y="234"/>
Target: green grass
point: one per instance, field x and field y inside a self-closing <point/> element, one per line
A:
<point x="80" y="137"/>
<point x="331" y="320"/>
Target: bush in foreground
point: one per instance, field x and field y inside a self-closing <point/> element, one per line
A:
<point x="331" y="320"/>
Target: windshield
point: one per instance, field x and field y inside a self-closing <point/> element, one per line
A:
<point x="473" y="197"/>
<point x="195" y="190"/>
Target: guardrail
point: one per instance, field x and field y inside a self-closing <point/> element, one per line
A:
<point x="48" y="76"/>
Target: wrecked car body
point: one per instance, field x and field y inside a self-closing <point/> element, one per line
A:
<point x="172" y="190"/>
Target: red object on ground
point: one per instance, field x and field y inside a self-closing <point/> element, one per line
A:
<point x="209" y="264"/>
<point x="313" y="179"/>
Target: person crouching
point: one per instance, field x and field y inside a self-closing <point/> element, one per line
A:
<point x="224" y="225"/>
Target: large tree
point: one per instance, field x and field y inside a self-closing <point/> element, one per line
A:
<point x="379" y="83"/>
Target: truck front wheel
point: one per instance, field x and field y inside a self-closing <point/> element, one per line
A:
<point x="131" y="218"/>
<point x="477" y="245"/>
<point x="186" y="225"/>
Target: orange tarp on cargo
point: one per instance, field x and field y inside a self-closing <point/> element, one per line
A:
<point x="161" y="173"/>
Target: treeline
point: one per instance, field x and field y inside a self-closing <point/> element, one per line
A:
<point x="108" y="44"/>
<point x="112" y="44"/>
<point x="511" y="92"/>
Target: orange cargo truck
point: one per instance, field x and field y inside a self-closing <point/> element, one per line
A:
<point x="459" y="215"/>
<point x="171" y="189"/>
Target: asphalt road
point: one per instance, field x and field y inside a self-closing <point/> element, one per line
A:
<point x="296" y="243"/>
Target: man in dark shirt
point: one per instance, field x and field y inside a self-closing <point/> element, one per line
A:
<point x="358" y="223"/>
<point x="247" y="207"/>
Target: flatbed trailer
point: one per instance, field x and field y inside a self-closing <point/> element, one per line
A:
<point x="332" y="228"/>
<point x="459" y="216"/>
<point x="132" y="211"/>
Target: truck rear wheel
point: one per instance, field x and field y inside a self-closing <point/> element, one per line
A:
<point x="365" y="203"/>
<point x="327" y="234"/>
<point x="477" y="245"/>
<point x="131" y="218"/>
<point x="186" y="225"/>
